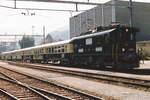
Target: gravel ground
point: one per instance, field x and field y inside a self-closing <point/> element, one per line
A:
<point x="117" y="92"/>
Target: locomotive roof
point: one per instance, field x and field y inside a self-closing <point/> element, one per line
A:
<point x="94" y="34"/>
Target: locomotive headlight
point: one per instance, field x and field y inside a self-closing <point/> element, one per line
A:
<point x="127" y="30"/>
<point x="123" y="49"/>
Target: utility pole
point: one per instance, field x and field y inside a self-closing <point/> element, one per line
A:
<point x="113" y="2"/>
<point x="15" y="4"/>
<point x="44" y="33"/>
<point x="33" y="30"/>
<point x="131" y="13"/>
<point x="131" y="19"/>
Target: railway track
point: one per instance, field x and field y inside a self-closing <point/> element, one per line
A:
<point x="18" y="91"/>
<point x="140" y="84"/>
<point x="51" y="90"/>
<point x="6" y="96"/>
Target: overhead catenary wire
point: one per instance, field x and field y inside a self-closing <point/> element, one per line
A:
<point x="58" y="1"/>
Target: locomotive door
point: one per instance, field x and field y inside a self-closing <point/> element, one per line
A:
<point x="115" y="51"/>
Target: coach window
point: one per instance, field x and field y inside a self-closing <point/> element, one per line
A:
<point x="45" y="50"/>
<point x="59" y="49"/>
<point x="49" y="50"/>
<point x="42" y="50"/>
<point x="35" y="51"/>
<point x="62" y="49"/>
<point x="56" y="49"/>
<point x="38" y="51"/>
<point x="65" y="48"/>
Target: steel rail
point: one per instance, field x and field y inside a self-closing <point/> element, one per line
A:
<point x="8" y="94"/>
<point x="51" y="93"/>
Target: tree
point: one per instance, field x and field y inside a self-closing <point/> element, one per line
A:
<point x="26" y="41"/>
<point x="48" y="39"/>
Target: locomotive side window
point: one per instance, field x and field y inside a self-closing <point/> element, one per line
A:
<point x="80" y="50"/>
<point x="88" y="41"/>
<point x="98" y="49"/>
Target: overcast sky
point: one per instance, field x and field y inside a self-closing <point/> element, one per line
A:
<point x="13" y="22"/>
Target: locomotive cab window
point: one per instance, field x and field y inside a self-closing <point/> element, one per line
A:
<point x="106" y="38"/>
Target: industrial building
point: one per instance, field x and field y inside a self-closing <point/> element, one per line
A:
<point x="110" y="12"/>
